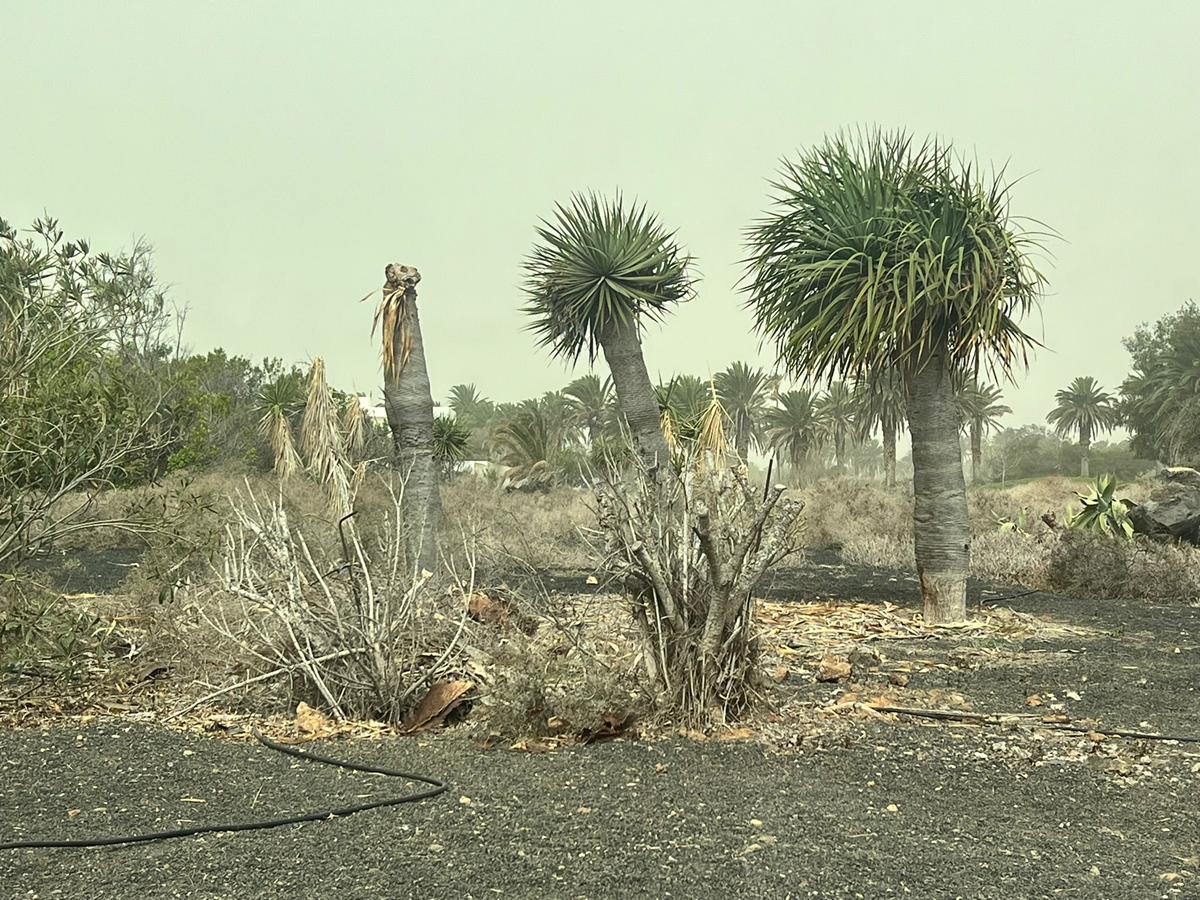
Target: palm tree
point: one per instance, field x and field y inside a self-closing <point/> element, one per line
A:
<point x="1083" y="409"/>
<point x="744" y="392"/>
<point x="792" y="431"/>
<point x="409" y="404"/>
<point x="880" y="254"/>
<point x="837" y="410"/>
<point x="597" y="274"/>
<point x="471" y="409"/>
<point x="592" y="401"/>
<point x="980" y="409"/>
<point x="530" y="443"/>
<point x="879" y="398"/>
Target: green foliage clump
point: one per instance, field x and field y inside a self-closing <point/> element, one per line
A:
<point x="1160" y="400"/>
<point x="1101" y="511"/>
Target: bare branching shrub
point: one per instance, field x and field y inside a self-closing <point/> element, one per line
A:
<point x="358" y="635"/>
<point x="689" y="551"/>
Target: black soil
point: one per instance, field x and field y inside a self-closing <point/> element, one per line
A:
<point x="869" y="808"/>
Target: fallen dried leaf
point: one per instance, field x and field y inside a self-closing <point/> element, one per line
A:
<point x="440" y="700"/>
<point x="737" y="734"/>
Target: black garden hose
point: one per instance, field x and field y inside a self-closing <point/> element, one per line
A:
<point x="435" y="787"/>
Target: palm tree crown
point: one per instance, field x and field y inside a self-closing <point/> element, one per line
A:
<point x="592" y="400"/>
<point x="881" y="254"/>
<point x="1083" y="409"/>
<point x="980" y="407"/>
<point x="601" y="268"/>
<point x="791" y="428"/>
<point x="836" y="417"/>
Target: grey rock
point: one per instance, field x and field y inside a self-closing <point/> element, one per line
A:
<point x="1173" y="510"/>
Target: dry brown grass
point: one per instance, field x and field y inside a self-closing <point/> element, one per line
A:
<point x="517" y="532"/>
<point x="853" y="513"/>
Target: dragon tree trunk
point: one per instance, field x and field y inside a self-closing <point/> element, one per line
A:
<point x="942" y="536"/>
<point x="409" y="404"/>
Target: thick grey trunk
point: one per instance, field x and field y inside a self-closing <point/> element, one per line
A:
<point x="635" y="395"/>
<point x="941" y="533"/>
<point x="409" y="404"/>
<point x="889" y="452"/>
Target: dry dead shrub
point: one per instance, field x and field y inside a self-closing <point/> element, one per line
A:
<point x="880" y="551"/>
<point x="1089" y="564"/>
<point x="521" y="532"/>
<point x="848" y="511"/>
<point x="689" y="548"/>
<point x="1008" y="557"/>
<point x="546" y="684"/>
<point x="357" y="633"/>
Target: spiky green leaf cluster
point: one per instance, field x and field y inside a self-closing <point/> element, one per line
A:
<point x="879" y="253"/>
<point x="599" y="267"/>
<point x="1101" y="510"/>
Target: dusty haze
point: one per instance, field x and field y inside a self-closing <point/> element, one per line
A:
<point x="278" y="158"/>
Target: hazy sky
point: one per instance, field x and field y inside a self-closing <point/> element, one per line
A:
<point x="279" y="155"/>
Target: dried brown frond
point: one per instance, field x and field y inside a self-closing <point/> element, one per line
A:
<point x="353" y="426"/>
<point x="321" y="440"/>
<point x="711" y="446"/>
<point x="395" y="315"/>
<point x="667" y="423"/>
<point x="275" y="427"/>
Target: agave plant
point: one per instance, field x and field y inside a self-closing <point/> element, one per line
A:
<point x="1101" y="510"/>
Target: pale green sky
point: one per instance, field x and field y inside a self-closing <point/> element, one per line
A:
<point x="279" y="155"/>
